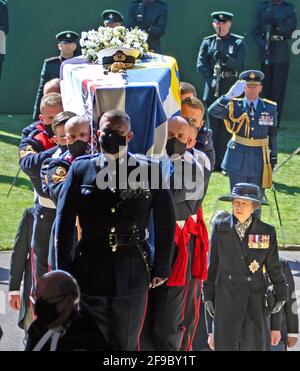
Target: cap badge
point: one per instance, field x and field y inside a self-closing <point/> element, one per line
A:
<point x="252" y="75"/>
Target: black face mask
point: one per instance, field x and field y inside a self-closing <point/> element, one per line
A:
<point x="111" y="142"/>
<point x="46" y="312"/>
<point x="49" y="131"/>
<point x="78" y="148"/>
<point x="175" y="147"/>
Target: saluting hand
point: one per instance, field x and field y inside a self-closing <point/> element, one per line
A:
<point x="236" y="90"/>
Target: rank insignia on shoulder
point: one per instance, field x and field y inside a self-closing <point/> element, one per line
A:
<point x="27" y="151"/>
<point x="254" y="267"/>
<point x="257" y="241"/>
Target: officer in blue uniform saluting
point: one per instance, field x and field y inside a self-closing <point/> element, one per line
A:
<point x="67" y="44"/>
<point x="221" y="58"/>
<point x="273" y="26"/>
<point x="252" y="121"/>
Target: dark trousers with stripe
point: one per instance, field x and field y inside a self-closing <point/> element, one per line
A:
<point x="163" y="330"/>
<point x="42" y="227"/>
<point x="191" y="313"/>
<point x="275" y="83"/>
<point x="120" y="319"/>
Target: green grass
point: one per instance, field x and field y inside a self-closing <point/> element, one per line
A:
<point x="287" y="183"/>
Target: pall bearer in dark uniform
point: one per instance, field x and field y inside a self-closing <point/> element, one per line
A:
<point x="113" y="205"/>
<point x="221" y="58"/>
<point x="242" y="249"/>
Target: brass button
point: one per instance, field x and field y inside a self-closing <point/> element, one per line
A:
<point x="113" y="230"/>
<point x="249" y="279"/>
<point x="252" y="128"/>
<point x="113" y="210"/>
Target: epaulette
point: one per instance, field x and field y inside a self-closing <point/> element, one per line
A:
<point x="34" y="133"/>
<point x="210" y="37"/>
<point x="237" y="36"/>
<point x="52" y="59"/>
<point x="270" y="101"/>
<point x="145" y="159"/>
<point x="87" y="157"/>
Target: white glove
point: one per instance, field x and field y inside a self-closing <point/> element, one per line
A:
<point x="236" y="90"/>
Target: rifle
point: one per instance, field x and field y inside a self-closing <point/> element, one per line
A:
<point x="217" y="77"/>
<point x="13" y="183"/>
<point x="268" y="43"/>
<point x="218" y="68"/>
<point x="287" y="160"/>
<point x="268" y="35"/>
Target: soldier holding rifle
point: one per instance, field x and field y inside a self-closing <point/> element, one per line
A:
<point x="273" y="26"/>
<point x="221" y="59"/>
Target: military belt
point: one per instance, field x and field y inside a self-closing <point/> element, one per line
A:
<point x="225" y="74"/>
<point x="264" y="144"/>
<point x="240" y="277"/>
<point x="277" y="38"/>
<point x="123" y="240"/>
<point x="46" y="202"/>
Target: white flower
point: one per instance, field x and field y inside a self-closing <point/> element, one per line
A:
<point x="94" y="41"/>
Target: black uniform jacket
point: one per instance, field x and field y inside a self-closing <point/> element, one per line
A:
<point x="112" y="213"/>
<point x="237" y="285"/>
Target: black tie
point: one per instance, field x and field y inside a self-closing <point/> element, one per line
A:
<point x="252" y="109"/>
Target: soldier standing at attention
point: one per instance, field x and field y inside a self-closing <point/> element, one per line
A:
<point x="273" y="26"/>
<point x="150" y="16"/>
<point x="112" y="18"/>
<point x="252" y="152"/>
<point x="67" y="45"/>
<point x="221" y="59"/>
<point x="3" y="30"/>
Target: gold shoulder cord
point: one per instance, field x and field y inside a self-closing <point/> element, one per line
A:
<point x="234" y="126"/>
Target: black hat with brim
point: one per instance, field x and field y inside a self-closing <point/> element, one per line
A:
<point x="112" y="16"/>
<point x="222" y="16"/>
<point x="245" y="191"/>
<point x="67" y="37"/>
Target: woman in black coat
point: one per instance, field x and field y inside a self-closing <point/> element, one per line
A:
<point x="242" y="249"/>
